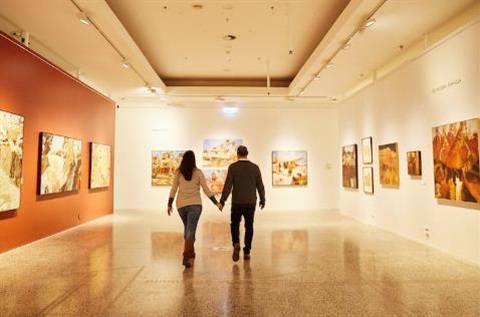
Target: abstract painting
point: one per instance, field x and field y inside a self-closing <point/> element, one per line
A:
<point x="389" y="166"/>
<point x="11" y="152"/>
<point x="414" y="163"/>
<point x="368" y="180"/>
<point x="349" y="166"/>
<point x="220" y="152"/>
<point x="164" y="165"/>
<point x="61" y="163"/>
<point x="289" y="168"/>
<point x="367" y="150"/>
<point x="456" y="161"/>
<point x="99" y="165"/>
<point x="215" y="179"/>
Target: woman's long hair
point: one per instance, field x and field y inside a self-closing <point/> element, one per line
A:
<point x="188" y="165"/>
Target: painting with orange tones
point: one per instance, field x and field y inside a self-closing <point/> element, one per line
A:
<point x="349" y="166"/>
<point x="389" y="166"/>
<point x="456" y="161"/>
<point x="11" y="153"/>
<point x="215" y="179"/>
<point x="164" y="165"/>
<point x="414" y="163"/>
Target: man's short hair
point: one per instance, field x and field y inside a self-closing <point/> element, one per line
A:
<point x="242" y="151"/>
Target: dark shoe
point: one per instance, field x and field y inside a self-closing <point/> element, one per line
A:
<point x="236" y="252"/>
<point x="186" y="260"/>
<point x="246" y="256"/>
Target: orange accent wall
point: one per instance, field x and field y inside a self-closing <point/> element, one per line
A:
<point x="51" y="101"/>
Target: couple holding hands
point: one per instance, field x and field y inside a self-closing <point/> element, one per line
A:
<point x="243" y="180"/>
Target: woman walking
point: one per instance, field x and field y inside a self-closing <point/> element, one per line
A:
<point x="187" y="181"/>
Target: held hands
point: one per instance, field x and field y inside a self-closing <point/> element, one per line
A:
<point x="169" y="211"/>
<point x="220" y="206"/>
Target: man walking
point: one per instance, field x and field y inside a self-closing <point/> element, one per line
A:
<point x="246" y="179"/>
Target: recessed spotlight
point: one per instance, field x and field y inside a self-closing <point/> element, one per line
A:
<point x="369" y="22"/>
<point x="229" y="37"/>
<point x="329" y="65"/>
<point x="346" y="46"/>
<point x="230" y="111"/>
<point x="83" y="18"/>
<point x="302" y="92"/>
<point x="126" y="63"/>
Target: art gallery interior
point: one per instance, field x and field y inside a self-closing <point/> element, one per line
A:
<point x="100" y="99"/>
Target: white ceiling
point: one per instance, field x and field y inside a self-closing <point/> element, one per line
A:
<point x="179" y="49"/>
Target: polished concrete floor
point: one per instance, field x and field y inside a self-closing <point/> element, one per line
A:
<point x="303" y="264"/>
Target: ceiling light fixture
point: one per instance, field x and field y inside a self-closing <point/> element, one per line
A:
<point x="197" y="6"/>
<point x="230" y="111"/>
<point x="346" y="46"/>
<point x="317" y="77"/>
<point x="126" y="63"/>
<point x="229" y="37"/>
<point x="329" y="65"/>
<point x="369" y="22"/>
<point x="302" y="92"/>
<point x="83" y="18"/>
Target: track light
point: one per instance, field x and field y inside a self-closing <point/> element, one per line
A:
<point x="346" y="46"/>
<point x="126" y="63"/>
<point x="369" y="22"/>
<point x="302" y="92"/>
<point x="83" y="18"/>
<point x="317" y="77"/>
<point x="329" y="65"/>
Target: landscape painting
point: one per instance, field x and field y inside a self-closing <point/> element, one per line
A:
<point x="289" y="168"/>
<point x="11" y="153"/>
<point x="349" y="166"/>
<point x="61" y="164"/>
<point x="100" y="156"/>
<point x="215" y="179"/>
<point x="456" y="161"/>
<point x="414" y="163"/>
<point x="367" y="150"/>
<point x="220" y="152"/>
<point x="368" y="180"/>
<point x="164" y="165"/>
<point x="389" y="165"/>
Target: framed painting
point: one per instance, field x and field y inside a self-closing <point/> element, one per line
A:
<point x="164" y="165"/>
<point x="367" y="150"/>
<point x="349" y="166"/>
<point x="289" y="168"/>
<point x="218" y="153"/>
<point x="414" y="163"/>
<point x="11" y="153"/>
<point x="389" y="165"/>
<point x="215" y="179"/>
<point x="368" y="180"/>
<point x="456" y="161"/>
<point x="100" y="158"/>
<point x="60" y="164"/>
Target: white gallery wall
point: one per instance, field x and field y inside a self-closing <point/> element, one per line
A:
<point x="440" y="87"/>
<point x="141" y="128"/>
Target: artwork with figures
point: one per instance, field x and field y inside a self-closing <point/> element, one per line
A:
<point x="61" y="163"/>
<point x="456" y="161"/>
<point x="215" y="179"/>
<point x="220" y="152"/>
<point x="414" y="163"/>
<point x="99" y="165"/>
<point x="349" y="166"/>
<point x="289" y="168"/>
<point x="367" y="150"/>
<point x="164" y="165"/>
<point x="389" y="165"/>
<point x="11" y="152"/>
<point x="368" y="180"/>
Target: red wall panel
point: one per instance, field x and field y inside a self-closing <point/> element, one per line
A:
<point x="51" y="101"/>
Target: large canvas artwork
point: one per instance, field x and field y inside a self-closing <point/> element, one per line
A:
<point x="164" y="165"/>
<point x="349" y="166"/>
<point x="414" y="163"/>
<point x="61" y="162"/>
<point x="389" y="165"/>
<point x="11" y="152"/>
<point x="368" y="180"/>
<point x="215" y="179"/>
<point x="456" y="161"/>
<point x="367" y="150"/>
<point x="220" y="152"/>
<point x="289" y="168"/>
<point x="99" y="165"/>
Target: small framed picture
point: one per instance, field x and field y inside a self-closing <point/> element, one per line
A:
<point x="414" y="161"/>
<point x="367" y="150"/>
<point x="368" y="180"/>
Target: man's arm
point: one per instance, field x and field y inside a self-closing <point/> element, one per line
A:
<point x="227" y="188"/>
<point x="260" y="188"/>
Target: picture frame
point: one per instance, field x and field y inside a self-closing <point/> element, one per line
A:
<point x="367" y="150"/>
<point x="368" y="186"/>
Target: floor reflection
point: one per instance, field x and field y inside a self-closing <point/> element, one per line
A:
<point x="290" y="246"/>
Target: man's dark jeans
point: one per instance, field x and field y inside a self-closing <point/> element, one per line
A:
<point x="248" y="213"/>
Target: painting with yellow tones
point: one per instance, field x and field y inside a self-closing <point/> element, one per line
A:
<point x="220" y="152"/>
<point x="99" y="165"/>
<point x="164" y="165"/>
<point x="61" y="164"/>
<point x="389" y="165"/>
<point x="215" y="179"/>
<point x="11" y="153"/>
<point x="289" y="168"/>
<point x="349" y="166"/>
<point x="456" y="161"/>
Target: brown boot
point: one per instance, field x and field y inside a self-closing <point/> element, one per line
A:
<point x="187" y="249"/>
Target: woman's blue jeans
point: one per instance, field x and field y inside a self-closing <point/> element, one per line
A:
<point x="190" y="216"/>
